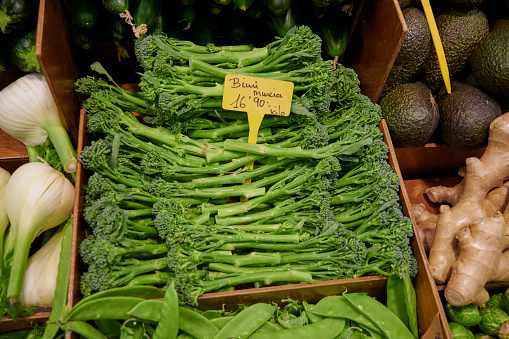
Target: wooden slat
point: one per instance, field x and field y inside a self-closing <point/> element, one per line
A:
<point x="378" y="32"/>
<point x="54" y="52"/>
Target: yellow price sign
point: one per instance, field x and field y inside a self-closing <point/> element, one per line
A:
<point x="257" y="97"/>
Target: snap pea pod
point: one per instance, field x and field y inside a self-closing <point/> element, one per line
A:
<point x="327" y="328"/>
<point x="313" y="318"/>
<point x="109" y="327"/>
<point x="221" y="322"/>
<point x="364" y="310"/>
<point x="190" y="321"/>
<point x="140" y="291"/>
<point x="61" y="288"/>
<point x="104" y="308"/>
<point x="168" y="325"/>
<point x="84" y="329"/>
<point x="401" y="300"/>
<point x="247" y="321"/>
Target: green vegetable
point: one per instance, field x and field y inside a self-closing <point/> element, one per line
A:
<point x="496" y="300"/>
<point x="62" y="284"/>
<point x="17" y="15"/>
<point x="116" y="6"/>
<point x="84" y="13"/>
<point x="401" y="300"/>
<point x="335" y="28"/>
<point x="460" y="332"/>
<point x="482" y="336"/>
<point x="168" y="325"/>
<point x="82" y="328"/>
<point x="4" y="61"/>
<point x="243" y="5"/>
<point x="278" y="7"/>
<point x="145" y="12"/>
<point x="246" y="322"/>
<point x="22" y="52"/>
<point x="364" y="310"/>
<point x="325" y="328"/>
<point x="467" y="315"/>
<point x="491" y="320"/>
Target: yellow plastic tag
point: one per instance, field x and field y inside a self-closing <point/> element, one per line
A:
<point x="442" y="61"/>
<point x="257" y="97"/>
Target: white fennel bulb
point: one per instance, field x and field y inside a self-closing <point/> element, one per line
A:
<point x="41" y="274"/>
<point x="4" y="219"/>
<point x="38" y="198"/>
<point x="29" y="113"/>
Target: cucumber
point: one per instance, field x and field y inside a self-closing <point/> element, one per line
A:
<point x="82" y="38"/>
<point x="22" y="52"/>
<point x="278" y="7"/>
<point x="17" y="15"/>
<point x="146" y="11"/>
<point x="335" y="28"/>
<point x="84" y="13"/>
<point x="242" y="4"/>
<point x="281" y="24"/>
<point x="116" y="6"/>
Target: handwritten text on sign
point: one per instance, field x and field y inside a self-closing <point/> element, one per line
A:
<point x="263" y="96"/>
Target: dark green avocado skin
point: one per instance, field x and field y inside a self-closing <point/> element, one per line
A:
<point x="490" y="61"/>
<point x="466" y="115"/>
<point x="414" y="51"/>
<point x="411" y="114"/>
<point x="460" y="30"/>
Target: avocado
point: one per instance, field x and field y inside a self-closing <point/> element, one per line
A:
<point x="490" y="61"/>
<point x="466" y="115"/>
<point x="460" y="30"/>
<point x="411" y="114"/>
<point x="408" y="3"/>
<point x="414" y="51"/>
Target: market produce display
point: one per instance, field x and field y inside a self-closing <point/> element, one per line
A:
<point x="468" y="246"/>
<point x="474" y="37"/>
<point x="168" y="198"/>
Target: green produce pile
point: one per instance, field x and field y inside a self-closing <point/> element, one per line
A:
<point x="149" y="312"/>
<point x="94" y="24"/>
<point x="490" y="320"/>
<point x="18" y="30"/>
<point x="414" y="101"/>
<point x="167" y="197"/>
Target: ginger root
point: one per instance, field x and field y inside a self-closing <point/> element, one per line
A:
<point x="481" y="176"/>
<point x="426" y="224"/>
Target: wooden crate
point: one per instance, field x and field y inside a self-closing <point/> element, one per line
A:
<point x="432" y="320"/>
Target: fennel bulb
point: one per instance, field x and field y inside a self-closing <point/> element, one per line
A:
<point x="29" y="113"/>
<point x="41" y="274"/>
<point x="38" y="198"/>
<point x="4" y="219"/>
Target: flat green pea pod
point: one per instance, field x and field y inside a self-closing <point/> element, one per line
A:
<point x="139" y="291"/>
<point x="84" y="329"/>
<point x="364" y="310"/>
<point x="109" y="327"/>
<point x="190" y="321"/>
<point x="221" y="322"/>
<point x="402" y="301"/>
<point x="168" y="326"/>
<point x="104" y="308"/>
<point x="327" y="328"/>
<point x="247" y="321"/>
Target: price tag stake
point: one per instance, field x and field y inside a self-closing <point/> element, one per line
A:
<point x="257" y="97"/>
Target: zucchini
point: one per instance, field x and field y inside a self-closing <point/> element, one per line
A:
<point x="116" y="6"/>
<point x="84" y="13"/>
<point x="82" y="38"/>
<point x="242" y="4"/>
<point x="17" y="15"/>
<point x="186" y="16"/>
<point x="146" y="11"/>
<point x="22" y="52"/>
<point x="238" y="27"/>
<point x="281" y="24"/>
<point x="335" y="33"/>
<point x="278" y="7"/>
